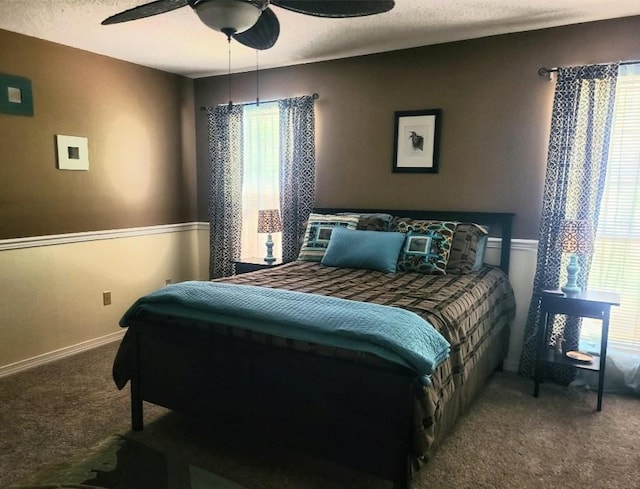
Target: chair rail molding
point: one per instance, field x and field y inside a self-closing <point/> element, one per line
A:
<point x="58" y="239"/>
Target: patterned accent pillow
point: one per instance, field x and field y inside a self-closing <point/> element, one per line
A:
<point x="467" y="248"/>
<point x="318" y="233"/>
<point x="427" y="246"/>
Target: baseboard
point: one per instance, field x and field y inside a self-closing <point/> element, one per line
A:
<point x="29" y="363"/>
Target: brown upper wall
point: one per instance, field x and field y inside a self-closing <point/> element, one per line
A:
<point x="495" y="124"/>
<point x="139" y="124"/>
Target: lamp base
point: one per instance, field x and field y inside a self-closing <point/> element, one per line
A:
<point x="571" y="287"/>
<point x="269" y="258"/>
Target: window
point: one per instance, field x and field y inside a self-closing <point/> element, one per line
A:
<point x="616" y="261"/>
<point x="260" y="188"/>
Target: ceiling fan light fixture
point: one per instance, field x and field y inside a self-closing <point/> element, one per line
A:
<point x="228" y="15"/>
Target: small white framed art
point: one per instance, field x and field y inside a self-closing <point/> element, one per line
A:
<point x="73" y="152"/>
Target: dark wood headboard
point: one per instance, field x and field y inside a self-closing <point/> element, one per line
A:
<point x="499" y="223"/>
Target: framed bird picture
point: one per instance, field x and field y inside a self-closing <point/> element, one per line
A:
<point x="417" y="141"/>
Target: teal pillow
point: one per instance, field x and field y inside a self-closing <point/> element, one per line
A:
<point x="369" y="250"/>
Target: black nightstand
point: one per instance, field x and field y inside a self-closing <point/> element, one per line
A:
<point x="245" y="265"/>
<point x="588" y="304"/>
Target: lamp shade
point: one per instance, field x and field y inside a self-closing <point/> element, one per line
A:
<point x="228" y="15"/>
<point x="575" y="236"/>
<point x="269" y="221"/>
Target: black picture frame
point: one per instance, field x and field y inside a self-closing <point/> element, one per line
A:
<point x="416" y="146"/>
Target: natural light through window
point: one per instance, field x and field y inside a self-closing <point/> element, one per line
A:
<point x="260" y="188"/>
<point x="616" y="261"/>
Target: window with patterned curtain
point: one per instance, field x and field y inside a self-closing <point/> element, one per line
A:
<point x="577" y="158"/>
<point x="616" y="260"/>
<point x="261" y="157"/>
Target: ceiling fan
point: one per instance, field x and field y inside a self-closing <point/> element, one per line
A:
<point x="252" y="22"/>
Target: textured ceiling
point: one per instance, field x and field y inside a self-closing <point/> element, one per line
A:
<point x="178" y="42"/>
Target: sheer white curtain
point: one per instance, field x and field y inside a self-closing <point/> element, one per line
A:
<point x="616" y="261"/>
<point x="260" y="188"/>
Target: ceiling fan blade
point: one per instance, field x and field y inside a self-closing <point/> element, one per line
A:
<point x="146" y="10"/>
<point x="336" y="8"/>
<point x="263" y="34"/>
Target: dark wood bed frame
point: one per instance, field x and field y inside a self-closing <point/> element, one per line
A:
<point x="358" y="416"/>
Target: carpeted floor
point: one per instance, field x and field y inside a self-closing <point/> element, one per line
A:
<point x="58" y="412"/>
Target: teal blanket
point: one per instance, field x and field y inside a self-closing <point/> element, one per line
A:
<point x="395" y="334"/>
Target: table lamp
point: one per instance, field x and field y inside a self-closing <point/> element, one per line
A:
<point x="269" y="222"/>
<point x="575" y="236"/>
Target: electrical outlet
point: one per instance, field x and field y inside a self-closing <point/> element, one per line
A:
<point x="106" y="298"/>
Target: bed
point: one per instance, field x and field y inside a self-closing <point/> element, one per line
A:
<point x="361" y="407"/>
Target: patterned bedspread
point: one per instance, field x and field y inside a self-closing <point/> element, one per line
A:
<point x="465" y="309"/>
<point x="470" y="311"/>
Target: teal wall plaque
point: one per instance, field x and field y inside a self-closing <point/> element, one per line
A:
<point x="15" y="95"/>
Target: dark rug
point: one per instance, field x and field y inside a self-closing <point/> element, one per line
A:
<point x="122" y="463"/>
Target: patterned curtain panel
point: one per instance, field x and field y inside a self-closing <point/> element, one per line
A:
<point x="574" y="183"/>
<point x="225" y="187"/>
<point x="297" y="170"/>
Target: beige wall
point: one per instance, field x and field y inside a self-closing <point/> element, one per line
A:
<point x="51" y="296"/>
<point x="495" y="126"/>
<point x="139" y="123"/>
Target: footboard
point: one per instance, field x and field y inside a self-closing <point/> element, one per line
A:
<point x="353" y="414"/>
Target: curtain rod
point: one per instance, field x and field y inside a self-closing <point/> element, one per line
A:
<point x="544" y="71"/>
<point x="315" y="96"/>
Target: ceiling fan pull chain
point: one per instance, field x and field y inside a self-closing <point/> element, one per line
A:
<point x="257" y="81"/>
<point x="229" y="73"/>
